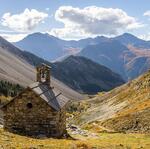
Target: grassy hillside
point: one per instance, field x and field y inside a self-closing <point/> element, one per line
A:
<point x="102" y="141"/>
<point x="125" y="109"/>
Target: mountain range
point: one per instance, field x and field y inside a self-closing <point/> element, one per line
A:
<point x="52" y="48"/>
<point x="78" y="73"/>
<point x="125" y="54"/>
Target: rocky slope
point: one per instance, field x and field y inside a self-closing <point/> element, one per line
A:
<point x="124" y="109"/>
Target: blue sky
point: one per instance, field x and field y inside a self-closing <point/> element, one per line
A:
<point x="74" y="19"/>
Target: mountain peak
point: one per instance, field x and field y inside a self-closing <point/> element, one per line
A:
<point x="101" y="38"/>
<point x="36" y="34"/>
<point x="39" y="35"/>
<point x="127" y="36"/>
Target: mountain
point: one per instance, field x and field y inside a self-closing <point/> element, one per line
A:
<point x="52" y="48"/>
<point x="129" y="39"/>
<point x="108" y="53"/>
<point x="85" y="75"/>
<point x="27" y="56"/>
<point x="137" y="66"/>
<point x="73" y="71"/>
<point x="46" y="46"/>
<point x="123" y="109"/>
<point x="43" y="45"/>
<point x="125" y="54"/>
<point x="121" y="54"/>
<point x="11" y="67"/>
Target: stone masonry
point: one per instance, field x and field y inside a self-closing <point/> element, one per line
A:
<point x="29" y="114"/>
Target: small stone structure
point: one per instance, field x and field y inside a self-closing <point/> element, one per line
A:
<point x="38" y="110"/>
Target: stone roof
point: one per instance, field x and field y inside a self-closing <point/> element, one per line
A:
<point x="54" y="98"/>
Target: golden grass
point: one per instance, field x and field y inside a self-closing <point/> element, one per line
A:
<point x="103" y="141"/>
<point x="136" y="107"/>
<point x="95" y="127"/>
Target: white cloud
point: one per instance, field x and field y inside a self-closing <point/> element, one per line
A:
<point x="92" y="20"/>
<point x="145" y="36"/>
<point x="6" y="31"/>
<point x="25" y="21"/>
<point x="13" y="37"/>
<point x="147" y="13"/>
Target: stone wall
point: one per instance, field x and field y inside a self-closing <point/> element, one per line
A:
<point x="30" y="115"/>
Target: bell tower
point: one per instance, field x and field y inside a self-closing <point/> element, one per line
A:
<point x="43" y="74"/>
